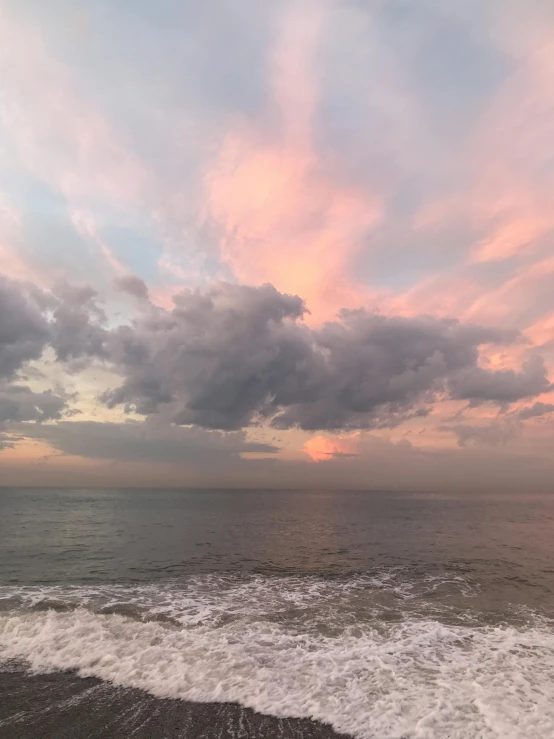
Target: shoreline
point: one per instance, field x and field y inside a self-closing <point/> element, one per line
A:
<point x="62" y="705"/>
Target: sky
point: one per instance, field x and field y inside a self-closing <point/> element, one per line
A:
<point x="305" y="243"/>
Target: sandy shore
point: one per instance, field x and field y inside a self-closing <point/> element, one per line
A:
<point x="63" y="706"/>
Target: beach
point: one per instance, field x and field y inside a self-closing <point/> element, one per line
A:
<point x="163" y="614"/>
<point x="63" y="706"/>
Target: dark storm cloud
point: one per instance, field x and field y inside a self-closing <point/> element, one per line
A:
<point x="77" y="325"/>
<point x="133" y="285"/>
<point x="24" y="334"/>
<point x="68" y="320"/>
<point x="377" y="368"/>
<point x="24" y="330"/>
<point x="219" y="359"/>
<point x="233" y="355"/>
<point x="535" y="411"/>
<point x="20" y="403"/>
<point x="503" y="386"/>
<point x="145" y="442"/>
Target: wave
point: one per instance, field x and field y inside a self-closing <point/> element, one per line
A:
<point x="296" y="648"/>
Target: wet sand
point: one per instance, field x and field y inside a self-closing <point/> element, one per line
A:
<point x="64" y="706"/>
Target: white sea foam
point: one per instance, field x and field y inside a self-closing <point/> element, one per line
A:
<point x="207" y="598"/>
<point x="416" y="678"/>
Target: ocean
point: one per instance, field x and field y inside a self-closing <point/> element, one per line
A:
<point x="261" y="613"/>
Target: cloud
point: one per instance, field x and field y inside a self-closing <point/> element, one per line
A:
<point x="493" y="434"/>
<point x="321" y="449"/>
<point x="76" y="329"/>
<point x="132" y="285"/>
<point x="217" y="359"/>
<point x="145" y="441"/>
<point x="74" y="145"/>
<point x="67" y="320"/>
<point x="278" y="208"/>
<point x="346" y="152"/>
<point x="381" y="464"/>
<point x="20" y="403"/>
<point x="5" y="442"/>
<point x="502" y="386"/>
<point x="31" y="320"/>
<point x="24" y="330"/>
<point x="231" y="356"/>
<point x="535" y="411"/>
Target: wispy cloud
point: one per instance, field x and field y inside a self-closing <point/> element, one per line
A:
<point x="280" y="215"/>
<point x="391" y="157"/>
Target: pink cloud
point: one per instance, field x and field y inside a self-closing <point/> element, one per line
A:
<point x="12" y="264"/>
<point x="321" y="448"/>
<point x="85" y="225"/>
<point x="514" y="196"/>
<point x="542" y="331"/>
<point x="55" y="132"/>
<point x="284" y="219"/>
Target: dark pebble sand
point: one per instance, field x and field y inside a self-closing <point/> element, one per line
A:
<point x="64" y="706"/>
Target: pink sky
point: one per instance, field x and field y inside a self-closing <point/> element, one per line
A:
<point x="357" y="160"/>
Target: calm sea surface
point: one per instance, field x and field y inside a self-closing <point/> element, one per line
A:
<point x="383" y="614"/>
